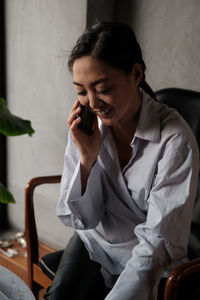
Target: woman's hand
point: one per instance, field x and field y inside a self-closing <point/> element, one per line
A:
<point x="88" y="145"/>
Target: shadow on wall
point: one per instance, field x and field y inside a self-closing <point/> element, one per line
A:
<point x="112" y="10"/>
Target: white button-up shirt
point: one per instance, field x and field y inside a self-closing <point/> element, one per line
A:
<point x="135" y="222"/>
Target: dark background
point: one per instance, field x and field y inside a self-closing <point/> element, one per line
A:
<point x="3" y="207"/>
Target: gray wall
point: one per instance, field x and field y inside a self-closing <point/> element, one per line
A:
<point x="39" y="32"/>
<point x="168" y="32"/>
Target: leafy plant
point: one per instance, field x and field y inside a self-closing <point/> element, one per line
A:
<point x="11" y="125"/>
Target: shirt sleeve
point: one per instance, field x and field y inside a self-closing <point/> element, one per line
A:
<point x="76" y="210"/>
<point x="163" y="238"/>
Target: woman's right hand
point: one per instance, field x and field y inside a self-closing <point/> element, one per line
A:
<point x="88" y="146"/>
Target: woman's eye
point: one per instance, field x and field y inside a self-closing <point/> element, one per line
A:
<point x="104" y="91"/>
<point x="81" y="93"/>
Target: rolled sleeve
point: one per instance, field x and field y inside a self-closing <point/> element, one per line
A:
<point x="83" y="211"/>
<point x="138" y="281"/>
<point x="90" y="206"/>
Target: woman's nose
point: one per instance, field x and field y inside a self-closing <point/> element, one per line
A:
<point x="93" y="100"/>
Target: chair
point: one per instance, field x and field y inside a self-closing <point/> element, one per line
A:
<point x="187" y="104"/>
<point x="37" y="279"/>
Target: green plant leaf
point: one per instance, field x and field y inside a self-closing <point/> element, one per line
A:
<point x="5" y="195"/>
<point x="12" y="125"/>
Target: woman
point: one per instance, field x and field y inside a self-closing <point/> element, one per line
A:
<point x="128" y="188"/>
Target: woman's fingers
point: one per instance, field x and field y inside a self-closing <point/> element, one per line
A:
<point x="74" y="107"/>
<point x="75" y="124"/>
<point x="73" y="116"/>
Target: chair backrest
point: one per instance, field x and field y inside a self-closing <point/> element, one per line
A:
<point x="187" y="103"/>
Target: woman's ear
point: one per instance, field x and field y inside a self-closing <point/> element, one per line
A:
<point x="137" y="73"/>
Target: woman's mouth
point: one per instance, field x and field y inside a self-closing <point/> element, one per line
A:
<point x="103" y="113"/>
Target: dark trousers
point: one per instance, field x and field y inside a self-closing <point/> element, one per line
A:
<point x="78" y="277"/>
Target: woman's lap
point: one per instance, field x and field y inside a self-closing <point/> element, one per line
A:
<point x="80" y="278"/>
<point x="77" y="277"/>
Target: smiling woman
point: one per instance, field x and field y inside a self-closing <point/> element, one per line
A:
<point x="126" y="186"/>
<point x="105" y="88"/>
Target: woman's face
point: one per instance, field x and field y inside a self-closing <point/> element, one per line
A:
<point x="111" y="93"/>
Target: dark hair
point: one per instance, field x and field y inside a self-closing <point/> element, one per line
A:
<point x="114" y="43"/>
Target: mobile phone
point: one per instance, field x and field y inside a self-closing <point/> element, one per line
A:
<point x="87" y="120"/>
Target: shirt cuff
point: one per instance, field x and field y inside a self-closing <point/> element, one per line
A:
<point x="89" y="207"/>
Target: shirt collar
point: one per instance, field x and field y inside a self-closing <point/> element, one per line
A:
<point x="148" y="127"/>
<point x="149" y="122"/>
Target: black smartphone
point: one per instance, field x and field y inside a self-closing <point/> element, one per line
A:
<point x="87" y="120"/>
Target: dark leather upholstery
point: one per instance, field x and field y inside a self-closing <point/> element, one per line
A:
<point x="49" y="263"/>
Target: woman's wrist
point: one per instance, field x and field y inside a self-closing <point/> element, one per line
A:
<point x="86" y="168"/>
<point x="87" y="163"/>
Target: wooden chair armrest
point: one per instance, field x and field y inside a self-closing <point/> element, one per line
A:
<point x="30" y="224"/>
<point x="177" y="275"/>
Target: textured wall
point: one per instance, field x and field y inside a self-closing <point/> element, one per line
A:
<point x="40" y="88"/>
<point x="39" y="34"/>
<point x="168" y="32"/>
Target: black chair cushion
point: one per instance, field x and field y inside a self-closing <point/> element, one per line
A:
<point x="49" y="263"/>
